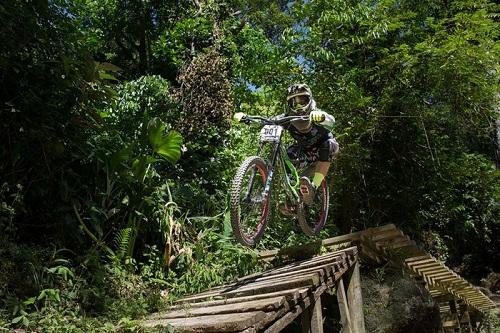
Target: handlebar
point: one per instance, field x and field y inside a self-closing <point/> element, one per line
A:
<point x="271" y="121"/>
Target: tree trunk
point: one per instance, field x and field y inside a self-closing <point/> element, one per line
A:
<point x="143" y="40"/>
<point x="497" y="142"/>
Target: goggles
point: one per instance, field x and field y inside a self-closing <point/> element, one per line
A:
<point x="298" y="102"/>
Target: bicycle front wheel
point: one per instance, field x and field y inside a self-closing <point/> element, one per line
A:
<point x="313" y="218"/>
<point x="249" y="206"/>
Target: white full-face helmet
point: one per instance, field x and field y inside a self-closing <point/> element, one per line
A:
<point x="299" y="98"/>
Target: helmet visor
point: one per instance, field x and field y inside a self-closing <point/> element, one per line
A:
<point x="298" y="102"/>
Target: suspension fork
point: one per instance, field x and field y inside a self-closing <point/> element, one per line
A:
<point x="267" y="186"/>
<point x="270" y="172"/>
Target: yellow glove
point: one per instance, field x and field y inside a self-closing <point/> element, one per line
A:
<point x="316" y="116"/>
<point x="238" y="116"/>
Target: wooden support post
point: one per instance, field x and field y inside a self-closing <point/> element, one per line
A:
<point x="345" y="318"/>
<point x="464" y="316"/>
<point x="316" y="317"/>
<point x="355" y="299"/>
<point x="312" y="318"/>
<point x="305" y="320"/>
<point x="453" y="310"/>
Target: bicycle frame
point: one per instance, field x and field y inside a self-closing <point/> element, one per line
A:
<point x="280" y="156"/>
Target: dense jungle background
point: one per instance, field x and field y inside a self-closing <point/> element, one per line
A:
<point x="117" y="146"/>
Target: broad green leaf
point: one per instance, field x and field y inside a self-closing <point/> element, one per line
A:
<point x="139" y="168"/>
<point x="108" y="67"/>
<point x="107" y="76"/>
<point x="170" y="147"/>
<point x="155" y="131"/>
<point x="119" y="157"/>
<point x="30" y="300"/>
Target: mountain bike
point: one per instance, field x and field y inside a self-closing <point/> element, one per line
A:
<point x="253" y="183"/>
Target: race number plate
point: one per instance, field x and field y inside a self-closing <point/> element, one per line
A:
<point x="270" y="133"/>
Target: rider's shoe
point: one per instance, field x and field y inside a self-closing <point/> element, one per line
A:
<point x="286" y="210"/>
<point x="307" y="190"/>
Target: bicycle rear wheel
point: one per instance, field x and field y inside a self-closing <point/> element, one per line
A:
<point x="249" y="209"/>
<point x="313" y="218"/>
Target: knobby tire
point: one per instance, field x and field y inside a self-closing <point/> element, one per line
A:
<point x="237" y="187"/>
<point x="305" y="225"/>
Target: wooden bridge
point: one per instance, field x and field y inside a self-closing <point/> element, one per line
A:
<point x="271" y="300"/>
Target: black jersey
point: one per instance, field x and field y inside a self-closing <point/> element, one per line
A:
<point x="311" y="136"/>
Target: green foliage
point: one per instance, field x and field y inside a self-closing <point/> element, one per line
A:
<point x="183" y="39"/>
<point x="413" y="89"/>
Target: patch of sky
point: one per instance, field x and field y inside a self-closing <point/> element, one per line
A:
<point x="249" y="85"/>
<point x="252" y="87"/>
<point x="302" y="31"/>
<point x="305" y="63"/>
<point x="63" y="8"/>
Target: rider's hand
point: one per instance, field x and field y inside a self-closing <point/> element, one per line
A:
<point x="316" y="116"/>
<point x="239" y="116"/>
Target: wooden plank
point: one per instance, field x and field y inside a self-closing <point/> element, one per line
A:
<point x="302" y="265"/>
<point x="434" y="269"/>
<point x="334" y="256"/>
<point x="436" y="277"/>
<point x="272" y="317"/>
<point x="220" y="292"/>
<point x="429" y="274"/>
<point x="447" y="280"/>
<point x="384" y="235"/>
<point x="299" y="252"/>
<point x="291" y="295"/>
<point x="266" y="305"/>
<point x="215" y="323"/>
<point x="403" y="249"/>
<point x="467" y="290"/>
<point x="341" y="239"/>
<point x="476" y="299"/>
<point x="418" y="258"/>
<point x="426" y="265"/>
<point x="371" y="232"/>
<point x="295" y="265"/>
<point x="462" y="285"/>
<point x="259" y="288"/>
<point x="352" y="237"/>
<point x="388" y="242"/>
<point x="393" y="244"/>
<point x="284" y="321"/>
<point x="449" y="324"/>
<point x="321" y="269"/>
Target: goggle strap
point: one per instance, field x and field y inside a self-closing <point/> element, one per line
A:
<point x="299" y="94"/>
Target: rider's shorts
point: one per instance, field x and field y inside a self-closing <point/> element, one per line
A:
<point x="324" y="151"/>
<point x="327" y="150"/>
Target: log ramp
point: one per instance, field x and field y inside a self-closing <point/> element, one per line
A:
<point x="270" y="300"/>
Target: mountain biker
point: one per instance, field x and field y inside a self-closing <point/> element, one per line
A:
<point x="313" y="137"/>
